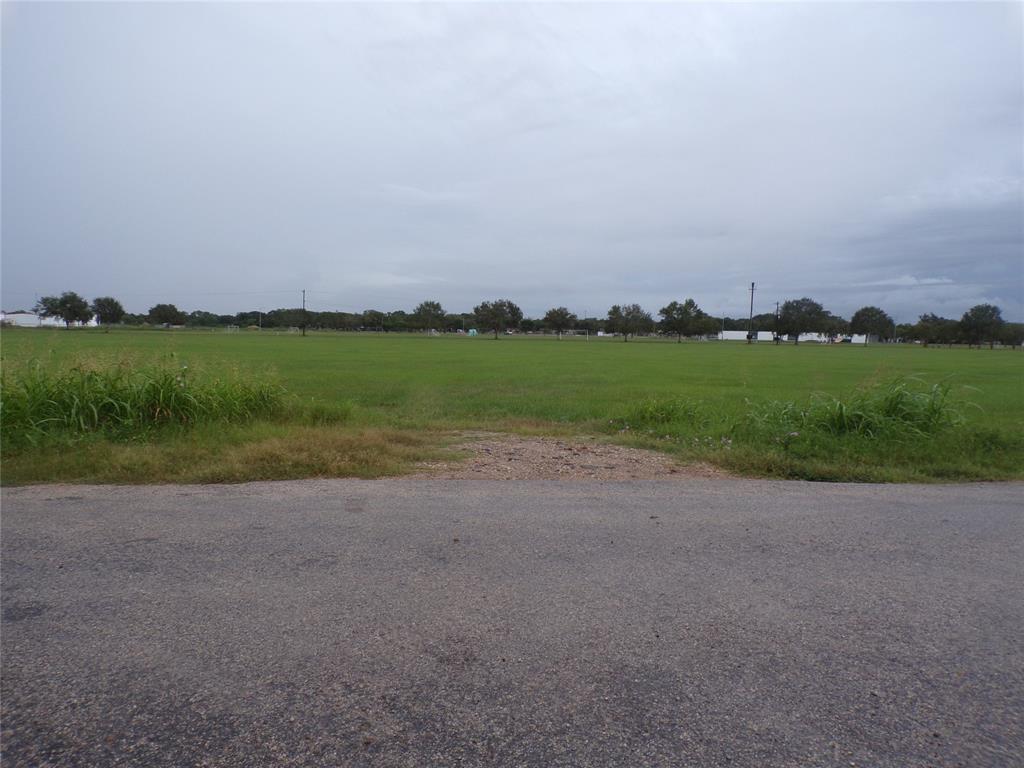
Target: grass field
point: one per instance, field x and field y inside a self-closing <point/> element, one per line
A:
<point x="389" y="400"/>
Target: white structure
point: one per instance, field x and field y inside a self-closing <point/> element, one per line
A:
<point x="742" y="335"/>
<point x="31" y="320"/>
<point x="821" y="338"/>
<point x="805" y="338"/>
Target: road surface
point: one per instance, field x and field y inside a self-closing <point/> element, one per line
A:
<point x="419" y="622"/>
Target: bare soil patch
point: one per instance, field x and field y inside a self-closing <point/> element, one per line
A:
<point x="513" y="457"/>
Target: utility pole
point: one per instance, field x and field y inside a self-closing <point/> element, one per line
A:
<point x="775" y="334"/>
<point x="750" y="320"/>
<point x="303" y="311"/>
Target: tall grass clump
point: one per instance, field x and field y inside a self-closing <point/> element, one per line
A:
<point x="902" y="410"/>
<point x="655" y="412"/>
<point x="875" y="432"/>
<point x="676" y="419"/>
<point x="39" y="403"/>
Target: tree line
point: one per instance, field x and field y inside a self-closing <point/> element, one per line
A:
<point x="981" y="324"/>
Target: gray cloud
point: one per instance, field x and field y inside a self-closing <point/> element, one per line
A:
<point x="225" y="156"/>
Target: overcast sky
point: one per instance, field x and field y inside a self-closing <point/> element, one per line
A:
<point x="225" y="156"/>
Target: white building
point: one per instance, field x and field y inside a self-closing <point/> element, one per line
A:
<point x="32" y="320"/>
<point x="821" y="338"/>
<point x="742" y="335"/>
<point x="812" y="338"/>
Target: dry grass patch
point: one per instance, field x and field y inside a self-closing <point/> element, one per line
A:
<point x="259" y="452"/>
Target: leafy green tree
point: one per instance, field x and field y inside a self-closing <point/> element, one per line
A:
<point x="69" y="307"/>
<point x="932" y="329"/>
<point x="498" y="315"/>
<point x="456" y="322"/>
<point x="373" y="319"/>
<point x="429" y="315"/>
<point x="628" y="319"/>
<point x="201" y="319"/>
<point x="872" y="321"/>
<point x="905" y="331"/>
<point x="834" y="325"/>
<point x="48" y="306"/>
<point x="802" y="316"/>
<point x="290" y="317"/>
<point x="338" y="321"/>
<point x="708" y="325"/>
<point x="1012" y="334"/>
<point x="108" y="310"/>
<point x="615" y="322"/>
<point x="396" y="321"/>
<point x="559" y="319"/>
<point x="681" y="319"/>
<point x="981" y="323"/>
<point x="762" y="322"/>
<point x="166" y="314"/>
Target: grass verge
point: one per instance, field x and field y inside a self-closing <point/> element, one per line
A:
<point x="227" y="454"/>
<point x="900" y="430"/>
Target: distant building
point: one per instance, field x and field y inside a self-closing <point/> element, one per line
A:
<point x="742" y="335"/>
<point x="32" y="320"/>
<point x="822" y="338"/>
<point x="29" y="320"/>
<point x="812" y="338"/>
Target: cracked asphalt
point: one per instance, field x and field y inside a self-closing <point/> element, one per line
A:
<point x="419" y="622"/>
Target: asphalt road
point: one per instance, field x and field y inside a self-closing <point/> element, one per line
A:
<point x="463" y="623"/>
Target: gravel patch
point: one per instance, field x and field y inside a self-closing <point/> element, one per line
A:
<point x="513" y="457"/>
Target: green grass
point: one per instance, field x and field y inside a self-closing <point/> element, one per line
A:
<point x="377" y="403"/>
<point x="43" y="406"/>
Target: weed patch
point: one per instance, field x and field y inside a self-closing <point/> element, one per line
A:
<point x="39" y="404"/>
<point x="902" y="409"/>
<point x="900" y="429"/>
